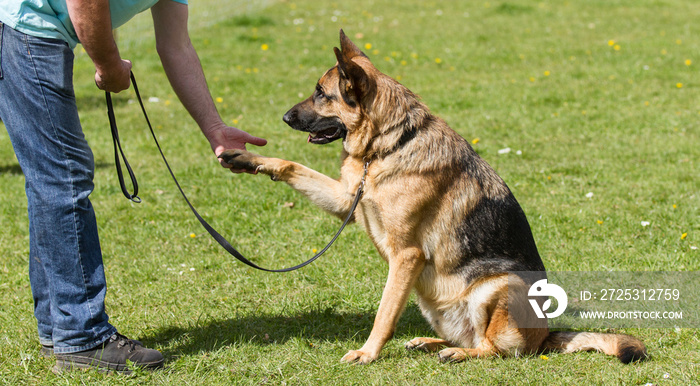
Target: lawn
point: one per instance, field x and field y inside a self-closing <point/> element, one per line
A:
<point x="598" y="102"/>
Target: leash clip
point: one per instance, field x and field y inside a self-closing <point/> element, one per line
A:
<point x="362" y="180"/>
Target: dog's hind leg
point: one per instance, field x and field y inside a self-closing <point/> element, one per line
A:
<point x="458" y="354"/>
<point x="426" y="344"/>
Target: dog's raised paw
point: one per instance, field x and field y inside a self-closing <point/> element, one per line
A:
<point x="239" y="159"/>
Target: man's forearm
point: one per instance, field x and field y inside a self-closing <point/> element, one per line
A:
<point x="185" y="74"/>
<point x="93" y="25"/>
<point x="182" y="65"/>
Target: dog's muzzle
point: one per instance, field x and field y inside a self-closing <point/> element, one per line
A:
<point x="321" y="130"/>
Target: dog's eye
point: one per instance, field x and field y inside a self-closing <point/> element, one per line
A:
<point x="320" y="94"/>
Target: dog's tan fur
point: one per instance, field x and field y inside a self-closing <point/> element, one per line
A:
<point x="441" y="217"/>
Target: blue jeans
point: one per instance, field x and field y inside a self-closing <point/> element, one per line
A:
<point x="38" y="108"/>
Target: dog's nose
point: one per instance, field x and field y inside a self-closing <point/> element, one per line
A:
<point x="290" y="116"/>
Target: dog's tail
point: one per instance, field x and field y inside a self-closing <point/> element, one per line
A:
<point x="626" y="348"/>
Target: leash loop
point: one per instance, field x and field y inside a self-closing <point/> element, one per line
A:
<point x="118" y="151"/>
<point x="219" y="239"/>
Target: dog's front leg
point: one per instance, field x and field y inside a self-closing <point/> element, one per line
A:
<point x="404" y="269"/>
<point x="327" y="193"/>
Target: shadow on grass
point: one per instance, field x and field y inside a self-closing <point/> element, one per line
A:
<point x="13" y="169"/>
<point x="325" y="325"/>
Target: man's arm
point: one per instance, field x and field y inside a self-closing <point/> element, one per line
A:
<point x="93" y="25"/>
<point x="184" y="71"/>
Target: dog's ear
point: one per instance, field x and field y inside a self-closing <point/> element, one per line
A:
<point x="349" y="49"/>
<point x="354" y="81"/>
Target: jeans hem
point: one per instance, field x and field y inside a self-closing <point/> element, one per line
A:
<point x="70" y="350"/>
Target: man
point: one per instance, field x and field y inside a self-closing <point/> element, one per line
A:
<point x="38" y="108"/>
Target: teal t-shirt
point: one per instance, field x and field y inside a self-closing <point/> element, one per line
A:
<point x="49" y="18"/>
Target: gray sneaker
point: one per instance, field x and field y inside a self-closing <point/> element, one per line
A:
<point x="46" y="351"/>
<point x="111" y="356"/>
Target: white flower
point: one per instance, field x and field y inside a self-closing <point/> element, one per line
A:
<point x="589" y="194"/>
<point x="504" y="151"/>
<point x="645" y="223"/>
<point x="153" y="99"/>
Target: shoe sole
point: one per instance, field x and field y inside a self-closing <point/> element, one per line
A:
<point x="68" y="364"/>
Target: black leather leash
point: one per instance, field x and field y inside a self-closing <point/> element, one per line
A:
<point x="220" y="239"/>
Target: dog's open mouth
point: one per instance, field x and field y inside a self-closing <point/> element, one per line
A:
<point x="326" y="136"/>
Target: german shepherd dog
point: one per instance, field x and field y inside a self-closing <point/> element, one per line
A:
<point x="441" y="217"/>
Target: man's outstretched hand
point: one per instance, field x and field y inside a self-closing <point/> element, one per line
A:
<point x="227" y="137"/>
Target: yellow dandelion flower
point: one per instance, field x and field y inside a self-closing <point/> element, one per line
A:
<point x="546" y="73"/>
<point x="664" y="52"/>
<point x="192" y="235"/>
<point x="599" y="222"/>
<point x="403" y="63"/>
<point x="616" y="47"/>
<point x="475" y="141"/>
<point x="314" y="250"/>
<point x="646" y="103"/>
<point x="265" y="47"/>
<point x="611" y="43"/>
<point x="688" y="62"/>
<point x="674" y="206"/>
<point x="679" y="41"/>
<point x="679" y="85"/>
<point x="219" y="99"/>
<point x="438" y="60"/>
<point x="368" y="46"/>
<point x="532" y="79"/>
<point x="235" y="121"/>
<point x="683" y="236"/>
<point x="544" y="357"/>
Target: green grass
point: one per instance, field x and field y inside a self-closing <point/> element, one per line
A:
<point x="539" y="77"/>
